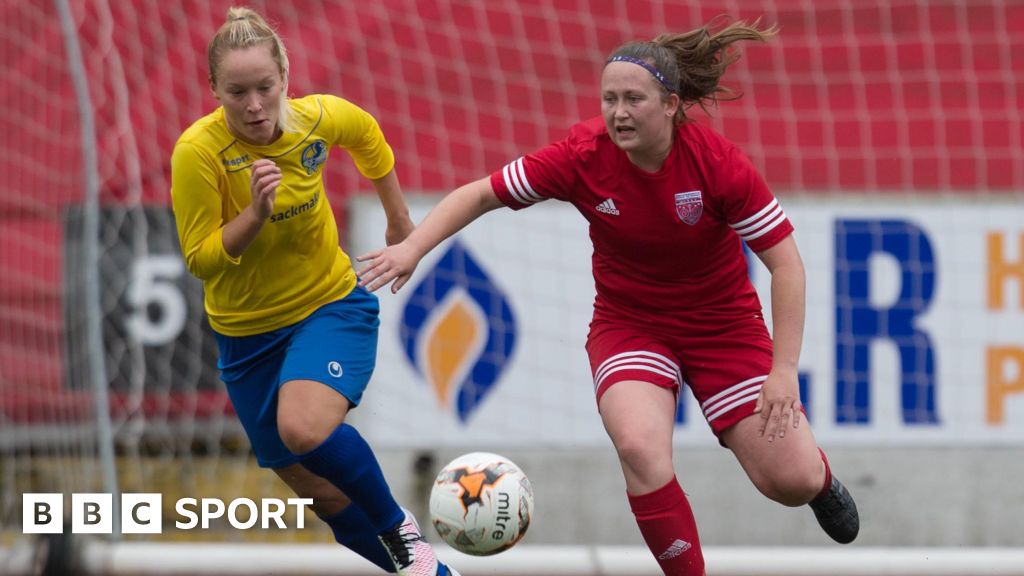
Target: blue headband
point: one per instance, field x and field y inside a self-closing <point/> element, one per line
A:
<point x="643" y="64"/>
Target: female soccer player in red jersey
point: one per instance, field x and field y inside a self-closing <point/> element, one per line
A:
<point x="297" y="334"/>
<point x="669" y="204"/>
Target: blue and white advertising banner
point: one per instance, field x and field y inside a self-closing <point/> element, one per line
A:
<point x="914" y="332"/>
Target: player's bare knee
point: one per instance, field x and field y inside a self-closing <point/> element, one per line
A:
<point x="790" y="488"/>
<point x="638" y="454"/>
<point x="299" y="433"/>
<point x="772" y="490"/>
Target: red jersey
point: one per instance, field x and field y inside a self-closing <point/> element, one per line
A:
<point x="667" y="245"/>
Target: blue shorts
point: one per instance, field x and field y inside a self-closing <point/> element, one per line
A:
<point x="336" y="345"/>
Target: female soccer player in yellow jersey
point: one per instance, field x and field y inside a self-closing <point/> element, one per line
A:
<point x="297" y="334"/>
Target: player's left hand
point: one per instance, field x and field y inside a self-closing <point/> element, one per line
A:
<point x="779" y="405"/>
<point x="398" y="229"/>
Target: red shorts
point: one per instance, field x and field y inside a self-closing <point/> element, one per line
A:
<point x="724" y="370"/>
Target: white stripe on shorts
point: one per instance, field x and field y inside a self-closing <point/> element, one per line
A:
<point x="732" y="397"/>
<point x="637" y="360"/>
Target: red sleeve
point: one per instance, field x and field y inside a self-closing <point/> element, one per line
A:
<point x="546" y="173"/>
<point x="749" y="206"/>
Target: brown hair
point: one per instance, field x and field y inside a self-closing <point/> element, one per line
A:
<point x="693" y="62"/>
<point x="245" y="28"/>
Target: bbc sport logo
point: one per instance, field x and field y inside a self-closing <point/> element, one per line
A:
<point x="93" y="513"/>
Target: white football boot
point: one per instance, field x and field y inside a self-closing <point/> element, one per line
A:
<point x="412" y="555"/>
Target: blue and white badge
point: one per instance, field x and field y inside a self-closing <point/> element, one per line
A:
<point x="314" y="155"/>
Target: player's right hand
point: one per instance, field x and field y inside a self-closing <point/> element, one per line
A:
<point x="394" y="264"/>
<point x="263" y="183"/>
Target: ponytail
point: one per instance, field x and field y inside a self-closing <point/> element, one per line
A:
<point x="691" y="64"/>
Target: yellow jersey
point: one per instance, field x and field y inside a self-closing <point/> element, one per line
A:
<point x="295" y="264"/>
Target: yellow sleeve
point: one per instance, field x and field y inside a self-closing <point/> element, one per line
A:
<point x="198" y="206"/>
<point x="360" y="135"/>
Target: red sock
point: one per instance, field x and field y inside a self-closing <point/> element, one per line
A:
<point x="667" y="525"/>
<point x="828" y="476"/>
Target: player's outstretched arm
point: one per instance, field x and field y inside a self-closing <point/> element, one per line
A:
<point x="395" y="264"/>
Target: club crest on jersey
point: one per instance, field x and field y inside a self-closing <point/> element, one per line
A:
<point x="689" y="206"/>
<point x="313" y="155"/>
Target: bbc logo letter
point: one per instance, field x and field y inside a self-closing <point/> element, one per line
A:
<point x="91" y="513"/>
<point x="143" y="513"/>
<point x="42" y="513"/>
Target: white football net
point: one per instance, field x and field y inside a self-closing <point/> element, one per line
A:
<point x="906" y="98"/>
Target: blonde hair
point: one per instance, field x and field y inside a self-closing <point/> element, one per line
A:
<point x="245" y="28"/>
<point x="691" y="64"/>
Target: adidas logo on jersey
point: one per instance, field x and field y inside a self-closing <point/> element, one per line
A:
<point x="677" y="548"/>
<point x="608" y="207"/>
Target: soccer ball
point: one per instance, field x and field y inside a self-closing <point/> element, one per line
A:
<point x="481" y="504"/>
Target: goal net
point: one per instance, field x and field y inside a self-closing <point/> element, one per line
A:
<point x="103" y="345"/>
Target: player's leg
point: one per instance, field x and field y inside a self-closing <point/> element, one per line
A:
<point x="726" y="372"/>
<point x="349" y="524"/>
<point x="345" y="459"/>
<point x="328" y="365"/>
<point x="250" y="368"/>
<point x="793" y="471"/>
<point x="640" y="417"/>
<point x="636" y="384"/>
<point x="788" y="470"/>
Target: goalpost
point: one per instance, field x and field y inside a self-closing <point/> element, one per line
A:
<point x="107" y="366"/>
